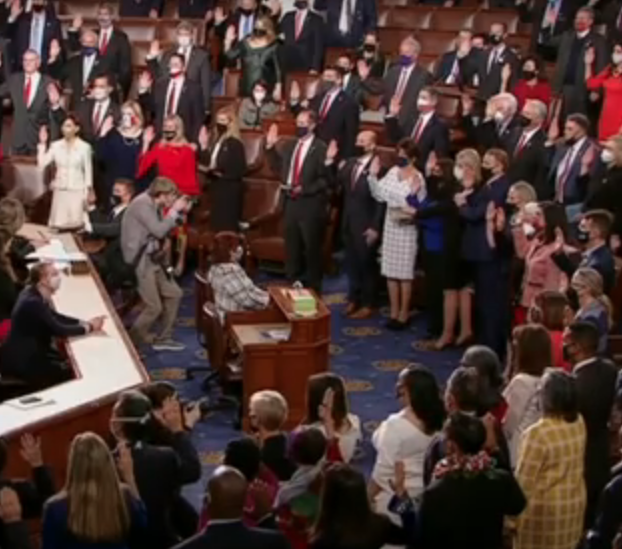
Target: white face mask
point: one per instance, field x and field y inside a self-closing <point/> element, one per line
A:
<point x="126" y="120"/>
<point x="498" y="117"/>
<point x="616" y="58"/>
<point x="55" y="282"/>
<point x="259" y="96"/>
<point x="528" y="229"/>
<point x="184" y="41"/>
<point x="423" y="103"/>
<point x="238" y="254"/>
<point x="458" y="173"/>
<point x="100" y="94"/>
<point x="606" y="156"/>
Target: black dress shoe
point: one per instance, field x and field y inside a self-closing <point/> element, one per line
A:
<point x="392" y="324"/>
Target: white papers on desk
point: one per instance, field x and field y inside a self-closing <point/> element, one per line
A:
<point x="55" y="251"/>
<point x="277" y="334"/>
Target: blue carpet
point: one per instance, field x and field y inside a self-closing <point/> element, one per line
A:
<point x="368" y="357"/>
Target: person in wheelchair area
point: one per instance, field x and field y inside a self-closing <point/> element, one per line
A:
<point x="232" y="287"/>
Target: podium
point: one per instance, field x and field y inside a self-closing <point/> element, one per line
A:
<point x="282" y="366"/>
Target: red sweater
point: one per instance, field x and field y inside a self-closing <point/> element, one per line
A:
<point x="177" y="162"/>
<point x="523" y="91"/>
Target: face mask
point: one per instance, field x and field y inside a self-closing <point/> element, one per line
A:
<point x="346" y="70"/>
<point x="423" y="103"/>
<point x="245" y="12"/>
<point x="104" y="22"/>
<point x="583" y="236"/>
<point x="405" y="60"/>
<point x="168" y="135"/>
<point x="616" y="58"/>
<point x="302" y="131"/>
<point x="183" y="41"/>
<point x="259" y="96"/>
<point x="327" y="85"/>
<point x="38" y="8"/>
<point x="238" y="254"/>
<point x="486" y="173"/>
<point x="571" y="141"/>
<point x="359" y="150"/>
<point x="495" y="39"/>
<point x="174" y="73"/>
<point x="524" y="121"/>
<point x="116" y="200"/>
<point x="126" y="120"/>
<point x="402" y="161"/>
<point x="100" y="94"/>
<point x="260" y="32"/>
<point x="606" y="156"/>
<point x="89" y="50"/>
<point x="529" y="230"/>
<point x="54" y="282"/>
<point x="369" y="48"/>
<point x="301" y="4"/>
<point x="458" y="173"/>
<point x="498" y="117"/>
<point x="573" y="298"/>
<point x="221" y="128"/>
<point x="529" y="75"/>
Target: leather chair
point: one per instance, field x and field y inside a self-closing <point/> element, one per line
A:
<point x="436" y="42"/>
<point x="231" y="82"/>
<point x="140" y="50"/>
<point x="452" y="19"/>
<point x="254" y="148"/>
<point x="485" y="18"/>
<point x="139" y="28"/>
<point x="412" y="17"/>
<point x="305" y="81"/>
<point x="85" y="8"/>
<point x="520" y="42"/>
<point x="384" y="16"/>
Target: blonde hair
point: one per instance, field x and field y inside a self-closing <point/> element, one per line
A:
<point x="615" y="142"/>
<point x="472" y="159"/>
<point x="269" y="26"/>
<point x="98" y="510"/>
<point x="526" y="191"/>
<point x="233" y="130"/>
<point x="269" y="408"/>
<point x="180" y="137"/>
<point x="592" y="281"/>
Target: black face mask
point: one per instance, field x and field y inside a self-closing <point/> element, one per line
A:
<point x="583" y="236"/>
<point x="359" y="150"/>
<point x="302" y="131"/>
<point x="524" y="121"/>
<point x="301" y="4"/>
<point x="168" y="135"/>
<point x="573" y="298"/>
<point x="494" y="39"/>
<point x="38" y="8"/>
<point x="529" y="75"/>
<point x="486" y="173"/>
<point x="116" y="200"/>
<point x="369" y="48"/>
<point x="221" y="128"/>
<point x="571" y="141"/>
<point x="566" y="355"/>
<point x="511" y="209"/>
<point x="246" y="12"/>
<point x="260" y="33"/>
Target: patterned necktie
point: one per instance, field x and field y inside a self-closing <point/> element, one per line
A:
<point x="172" y="97"/>
<point x="104" y="43"/>
<point x="27" y="91"/>
<point x="97" y="118"/>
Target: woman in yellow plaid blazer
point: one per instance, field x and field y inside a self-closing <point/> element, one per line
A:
<point x="550" y="470"/>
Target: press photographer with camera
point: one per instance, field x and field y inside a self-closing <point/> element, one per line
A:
<point x="144" y="230"/>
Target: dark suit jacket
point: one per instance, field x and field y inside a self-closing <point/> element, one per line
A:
<point x="490" y="80"/>
<point x="72" y="74"/>
<point x="235" y="535"/>
<point x="118" y="57"/>
<point x="198" y="70"/>
<point x="596" y="383"/>
<point x="19" y="33"/>
<point x="85" y="112"/>
<point x="555" y="155"/>
<point x="530" y="164"/>
<point x="190" y="107"/>
<point x="34" y="326"/>
<point x="600" y="259"/>
<point x="364" y="19"/>
<point x="434" y="137"/>
<point x="610" y="15"/>
<point x="535" y="13"/>
<point x="307" y="52"/>
<point x="487" y="135"/>
<point x="194" y="9"/>
<point x="354" y="88"/>
<point x="341" y="122"/>
<point x="467" y="68"/>
<point x="139" y="8"/>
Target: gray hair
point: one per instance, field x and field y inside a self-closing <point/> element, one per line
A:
<point x="559" y="396"/>
<point x="508" y="98"/>
<point x="540" y="108"/>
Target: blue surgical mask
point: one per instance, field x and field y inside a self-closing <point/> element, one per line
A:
<point x="302" y="131"/>
<point x="402" y="161"/>
<point x="88" y="50"/>
<point x="405" y="60"/>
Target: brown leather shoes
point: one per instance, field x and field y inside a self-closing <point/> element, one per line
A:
<point x="363" y="313"/>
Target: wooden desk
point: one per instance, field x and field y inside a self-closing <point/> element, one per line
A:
<point x="283" y="366"/>
<point x="105" y="365"/>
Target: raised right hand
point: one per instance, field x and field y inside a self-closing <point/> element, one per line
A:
<point x="272" y="136"/>
<point x="294" y="92"/>
<point x="590" y="56"/>
<point x="77" y="22"/>
<point x="363" y="69"/>
<point x="55" y="50"/>
<point x="467" y="104"/>
<point x="53" y="95"/>
<point x="107" y="125"/>
<point x="219" y="15"/>
<point x="144" y="80"/>
<point x="230" y="35"/>
<point x="148" y="136"/>
<point x="44" y="135"/>
<point x="203" y="138"/>
<point x="395" y="105"/>
<point x="374" y="167"/>
<point x="16" y="10"/>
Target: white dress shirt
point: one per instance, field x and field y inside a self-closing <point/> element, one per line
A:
<point x="87" y="66"/>
<point x="525" y="137"/>
<point x="245" y="25"/>
<point x="186" y="52"/>
<point x="348" y="9"/>
<point x="216" y="152"/>
<point x="563" y="169"/>
<point x="37" y="28"/>
<point x="402" y="81"/>
<point x="35" y="79"/>
<point x="101" y="108"/>
<point x="305" y="143"/>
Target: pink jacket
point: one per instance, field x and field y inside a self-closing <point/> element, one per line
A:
<point x="541" y="273"/>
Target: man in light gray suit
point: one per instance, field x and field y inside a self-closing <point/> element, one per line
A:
<point x="28" y="93"/>
<point x="143" y="233"/>
<point x="197" y="61"/>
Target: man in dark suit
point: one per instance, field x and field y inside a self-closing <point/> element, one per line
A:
<point x="361" y="226"/>
<point x="173" y="94"/>
<point x="596" y="381"/>
<point x="35" y="30"/>
<point x="351" y="81"/>
<point x="347" y="21"/>
<point x="403" y="81"/>
<point x="79" y="72"/>
<point x="227" y="490"/>
<point x="140" y="8"/>
<point x="28" y="93"/>
<point x="302" y="167"/>
<point x="114" y="47"/>
<point x="337" y="113"/>
<point x="197" y="62"/>
<point x="611" y="17"/>
<point x="28" y="352"/>
<point x="528" y="159"/>
<point x="426" y="128"/>
<point x="492" y="61"/>
<point x="243" y="18"/>
<point x="569" y="77"/>
<point x="303" y="40"/>
<point x="499" y="127"/>
<point x="459" y="66"/>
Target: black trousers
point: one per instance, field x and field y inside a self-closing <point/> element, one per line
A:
<point x="361" y="268"/>
<point x="433" y="267"/>
<point x="305" y="224"/>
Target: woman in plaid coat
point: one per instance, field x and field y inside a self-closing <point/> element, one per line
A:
<point x="550" y="470"/>
<point x="399" y="237"/>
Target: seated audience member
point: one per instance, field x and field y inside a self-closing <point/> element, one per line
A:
<point x="16" y="534"/>
<point x="29" y="352"/>
<point x="28" y="495"/>
<point x="553" y="486"/>
<point x="596" y="389"/>
<point x="470" y="487"/>
<point x="593" y="305"/>
<point x="233" y="289"/>
<point x="226" y="496"/>
<point x="267" y="415"/>
<point x="532" y="83"/>
<point x="406" y="436"/>
<point x="594" y="231"/>
<point x="9" y="284"/>
<point x="256" y="108"/>
<point x="462" y="395"/>
<point x="459" y="66"/>
<point x="551" y="310"/>
<point x="347" y="520"/>
<point x="371" y="57"/>
<point x="488" y="367"/>
<point x="531" y="356"/>
<point x="160" y="471"/>
<point x="327" y="409"/>
<point x="97" y="506"/>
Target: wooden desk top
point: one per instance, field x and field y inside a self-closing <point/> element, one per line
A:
<point x="253" y="334"/>
<point x="105" y="364"/>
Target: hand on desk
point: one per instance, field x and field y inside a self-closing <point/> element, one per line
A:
<point x="96" y="324"/>
<point x="31" y="450"/>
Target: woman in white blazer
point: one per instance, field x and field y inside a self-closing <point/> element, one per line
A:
<point x="73" y="181"/>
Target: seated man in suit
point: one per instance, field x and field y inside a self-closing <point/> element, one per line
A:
<point x="226" y="497"/>
<point x="29" y="352"/>
<point x="427" y="129"/>
<point x="459" y="66"/>
<point x="196" y="59"/>
<point x="337" y="113"/>
<point x="303" y="40"/>
<point x="499" y="127"/>
<point x="114" y="47"/>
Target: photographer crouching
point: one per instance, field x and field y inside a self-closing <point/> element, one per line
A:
<point x="144" y="230"/>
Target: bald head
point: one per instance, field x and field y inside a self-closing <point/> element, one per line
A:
<point x="227" y="493"/>
<point x="366" y="141"/>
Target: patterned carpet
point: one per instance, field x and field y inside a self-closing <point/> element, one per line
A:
<point x="368" y="356"/>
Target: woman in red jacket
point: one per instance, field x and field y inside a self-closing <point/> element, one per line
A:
<point x="175" y="158"/>
<point x="532" y="83"/>
<point x="610" y="81"/>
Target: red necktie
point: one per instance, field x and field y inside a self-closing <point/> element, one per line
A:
<point x="27" y="87"/>
<point x="521" y="144"/>
<point x="298" y="24"/>
<point x="104" y="45"/>
<point x="296" y="183"/>
<point x="170" y="108"/>
<point x="325" y="105"/>
<point x="97" y="118"/>
<point x="418" y="129"/>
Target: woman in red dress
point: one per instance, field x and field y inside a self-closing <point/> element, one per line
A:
<point x="175" y="158"/>
<point x="532" y="83"/>
<point x="610" y="82"/>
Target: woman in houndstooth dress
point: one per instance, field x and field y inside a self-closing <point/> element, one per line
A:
<point x="399" y="239"/>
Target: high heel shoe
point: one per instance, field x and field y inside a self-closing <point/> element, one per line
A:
<point x="464" y="340"/>
<point x="442" y="343"/>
